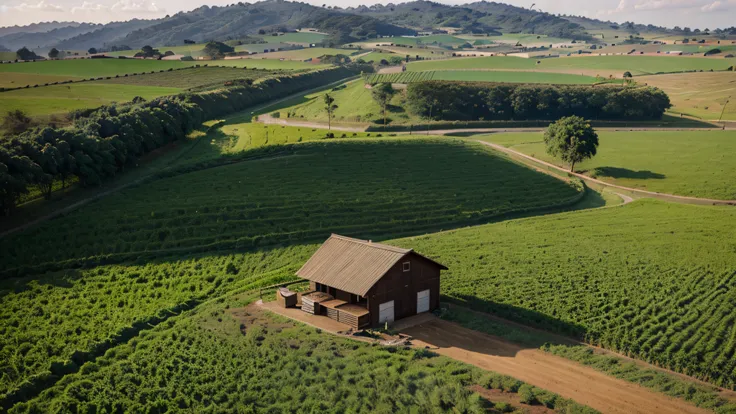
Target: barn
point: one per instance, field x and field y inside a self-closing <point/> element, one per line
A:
<point x="365" y="284"/>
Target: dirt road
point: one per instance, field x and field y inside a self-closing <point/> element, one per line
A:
<point x="564" y="377"/>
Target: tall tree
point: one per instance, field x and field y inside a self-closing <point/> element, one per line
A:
<point x="330" y="108"/>
<point x="383" y="93"/>
<point x="53" y="53"/>
<point x="572" y="139"/>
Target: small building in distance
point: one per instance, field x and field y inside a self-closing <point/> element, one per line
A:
<point x="365" y="284"/>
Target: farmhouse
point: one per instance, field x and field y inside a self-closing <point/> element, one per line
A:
<point x="363" y="284"/>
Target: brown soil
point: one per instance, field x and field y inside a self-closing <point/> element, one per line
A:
<point x="533" y="366"/>
<point x="496" y="396"/>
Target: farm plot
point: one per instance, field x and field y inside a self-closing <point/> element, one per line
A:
<point x="689" y="163"/>
<point x="637" y="65"/>
<point x="651" y="280"/>
<point x="302" y="38"/>
<point x="484" y="76"/>
<point x="239" y="359"/>
<point x="61" y="99"/>
<point x="253" y="135"/>
<point x="20" y="80"/>
<point x="304" y="54"/>
<point x="194" y="78"/>
<point x="53" y="322"/>
<point x="295" y="198"/>
<point x="702" y="95"/>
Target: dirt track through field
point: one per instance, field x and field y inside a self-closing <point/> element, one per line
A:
<point x="564" y="377"/>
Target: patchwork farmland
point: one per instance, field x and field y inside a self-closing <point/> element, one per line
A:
<point x="163" y="219"/>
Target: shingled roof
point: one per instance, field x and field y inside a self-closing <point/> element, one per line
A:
<point x="353" y="265"/>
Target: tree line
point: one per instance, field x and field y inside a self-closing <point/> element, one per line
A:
<point x="477" y="101"/>
<point x="112" y="138"/>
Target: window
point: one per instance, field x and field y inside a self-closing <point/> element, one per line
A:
<point x="407" y="266"/>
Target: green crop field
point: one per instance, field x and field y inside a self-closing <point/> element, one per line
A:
<point x="307" y="53"/>
<point x="702" y="95"/>
<point x="247" y="136"/>
<point x="219" y="211"/>
<point x="61" y="99"/>
<point x="637" y="65"/>
<point x="441" y="39"/>
<point x="652" y="280"/>
<point x="193" y="78"/>
<point x="20" y="80"/>
<point x="689" y="163"/>
<point x="484" y="76"/>
<point x="94" y="68"/>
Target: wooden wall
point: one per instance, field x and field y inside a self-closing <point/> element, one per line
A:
<point x="402" y="288"/>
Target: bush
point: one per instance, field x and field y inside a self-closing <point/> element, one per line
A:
<point x="526" y="394"/>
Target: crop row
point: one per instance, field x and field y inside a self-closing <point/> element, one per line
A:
<point x="651" y="280"/>
<point x="51" y="321"/>
<point x="360" y="188"/>
<point x="403" y="77"/>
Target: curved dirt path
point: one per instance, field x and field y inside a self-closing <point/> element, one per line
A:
<point x="564" y="377"/>
<point x="662" y="196"/>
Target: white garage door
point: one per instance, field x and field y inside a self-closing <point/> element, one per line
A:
<point x="423" y="301"/>
<point x="386" y="312"/>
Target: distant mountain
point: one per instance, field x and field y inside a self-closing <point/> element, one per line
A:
<point x="105" y="35"/>
<point x="512" y="19"/>
<point x="4" y="49"/>
<point x="43" y="40"/>
<point x="36" y="27"/>
<point x="479" y="17"/>
<point x="232" y="22"/>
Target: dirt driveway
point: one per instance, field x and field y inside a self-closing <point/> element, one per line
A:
<point x="566" y="378"/>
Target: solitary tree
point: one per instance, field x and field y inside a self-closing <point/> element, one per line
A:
<point x="53" y="53"/>
<point x="330" y="108"/>
<point x="627" y="76"/>
<point x="382" y="93"/>
<point x="92" y="51"/>
<point x="571" y="139"/>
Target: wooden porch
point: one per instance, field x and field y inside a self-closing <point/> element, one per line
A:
<point x="354" y="315"/>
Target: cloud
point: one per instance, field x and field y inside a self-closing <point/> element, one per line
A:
<point x="41" y="6"/>
<point x="121" y="6"/>
<point x="718" y="6"/>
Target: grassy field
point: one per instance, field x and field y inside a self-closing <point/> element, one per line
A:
<point x="304" y="54"/>
<point x="61" y="99"/>
<point x="378" y="56"/>
<point x="689" y="163"/>
<point x="282" y="204"/>
<point x="486" y="76"/>
<point x="702" y="95"/>
<point x="440" y="39"/>
<point x="652" y="280"/>
<point x="246" y="136"/>
<point x="94" y="68"/>
<point x="194" y="78"/>
<point x="301" y="38"/>
<point x="21" y="80"/>
<point x="355" y="105"/>
<point x="637" y="65"/>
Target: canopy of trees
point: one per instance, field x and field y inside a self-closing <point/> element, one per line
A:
<point x="53" y="53"/>
<point x="148" y="52"/>
<point x="217" y="50"/>
<point x="468" y="101"/>
<point x="25" y="54"/>
<point x="571" y="139"/>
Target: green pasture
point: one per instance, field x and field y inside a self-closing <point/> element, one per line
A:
<point x="651" y="280"/>
<point x="61" y="99"/>
<point x="440" y="39"/>
<point x="689" y="163"/>
<point x="94" y="68"/>
<point x="5" y="56"/>
<point x="193" y="78"/>
<point x="637" y="65"/>
<point x="355" y="104"/>
<point x="297" y="38"/>
<point x="13" y="80"/>
<point x="306" y="53"/>
<point x="246" y="136"/>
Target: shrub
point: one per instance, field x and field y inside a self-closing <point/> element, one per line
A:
<point x="526" y="394"/>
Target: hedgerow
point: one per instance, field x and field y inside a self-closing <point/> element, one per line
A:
<point x="475" y="101"/>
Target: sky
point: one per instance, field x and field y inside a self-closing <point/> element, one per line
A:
<point x="685" y="13"/>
